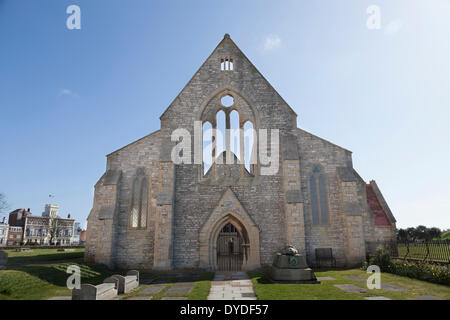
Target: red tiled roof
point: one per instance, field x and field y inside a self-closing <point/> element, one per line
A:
<point x="379" y="216"/>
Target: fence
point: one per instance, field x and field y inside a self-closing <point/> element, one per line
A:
<point x="432" y="251"/>
<point x="437" y="250"/>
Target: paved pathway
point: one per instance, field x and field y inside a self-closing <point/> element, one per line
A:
<point x="231" y="286"/>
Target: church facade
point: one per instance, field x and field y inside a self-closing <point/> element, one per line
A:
<point x="232" y="204"/>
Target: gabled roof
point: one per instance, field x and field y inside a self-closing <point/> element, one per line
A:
<point x="382" y="215"/>
<point x="225" y="39"/>
<point x="130" y="144"/>
<point x="324" y="140"/>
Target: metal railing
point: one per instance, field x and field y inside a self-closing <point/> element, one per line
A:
<point x="431" y="251"/>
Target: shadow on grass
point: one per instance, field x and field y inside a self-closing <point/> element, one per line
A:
<point x="56" y="274"/>
<point x="46" y="257"/>
<point x="261" y="276"/>
<point x="170" y="278"/>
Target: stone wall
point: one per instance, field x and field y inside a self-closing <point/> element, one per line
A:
<point x="184" y="205"/>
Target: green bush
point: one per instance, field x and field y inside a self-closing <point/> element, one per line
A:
<point x="416" y="270"/>
<point x="382" y="259"/>
<point x="422" y="271"/>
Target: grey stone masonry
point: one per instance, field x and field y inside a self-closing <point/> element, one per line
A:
<point x="152" y="213"/>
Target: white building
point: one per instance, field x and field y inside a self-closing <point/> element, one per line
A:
<point x="3" y="233"/>
<point x="49" y="228"/>
<point x="76" y="233"/>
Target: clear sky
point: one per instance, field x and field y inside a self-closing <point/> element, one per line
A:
<point x="69" y="97"/>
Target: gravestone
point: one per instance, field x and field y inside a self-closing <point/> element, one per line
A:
<point x="377" y="298"/>
<point x="390" y="287"/>
<point x="351" y="288"/>
<point x="427" y="298"/>
<point x="325" y="278"/>
<point x="176" y="289"/>
<point x="151" y="290"/>
<point x="290" y="266"/>
<point x="140" y="298"/>
<point x="3" y="259"/>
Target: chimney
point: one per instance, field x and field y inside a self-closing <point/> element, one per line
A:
<point x="68" y="216"/>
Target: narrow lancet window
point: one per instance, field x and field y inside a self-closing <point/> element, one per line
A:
<point x="139" y="206"/>
<point x="319" y="203"/>
<point x="249" y="152"/>
<point x="207" y="146"/>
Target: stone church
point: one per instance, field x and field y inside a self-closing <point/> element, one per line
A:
<point x="225" y="211"/>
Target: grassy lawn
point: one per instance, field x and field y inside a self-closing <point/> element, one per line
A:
<point x="42" y="281"/>
<point x="41" y="274"/>
<point x="200" y="290"/>
<point x="266" y="290"/>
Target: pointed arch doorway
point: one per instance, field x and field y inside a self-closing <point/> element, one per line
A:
<point x="230" y="249"/>
<point x="215" y="234"/>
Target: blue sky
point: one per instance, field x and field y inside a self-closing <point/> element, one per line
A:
<point x="69" y="97"/>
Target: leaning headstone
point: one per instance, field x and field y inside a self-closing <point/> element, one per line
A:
<point x="134" y="273"/>
<point x="104" y="291"/>
<point x="290" y="266"/>
<point x="124" y="284"/>
<point x="3" y="259"/>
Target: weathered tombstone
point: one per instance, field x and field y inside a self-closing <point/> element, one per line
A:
<point x="3" y="259"/>
<point x="104" y="291"/>
<point x="289" y="265"/>
<point x="125" y="284"/>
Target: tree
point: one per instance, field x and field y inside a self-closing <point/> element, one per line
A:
<point x="402" y="235"/>
<point x="434" y="233"/>
<point x="411" y="233"/>
<point x="421" y="232"/>
<point x="53" y="230"/>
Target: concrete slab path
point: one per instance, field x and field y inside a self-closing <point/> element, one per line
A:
<point x="231" y="286"/>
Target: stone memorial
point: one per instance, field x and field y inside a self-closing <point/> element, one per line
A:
<point x="289" y="265"/>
